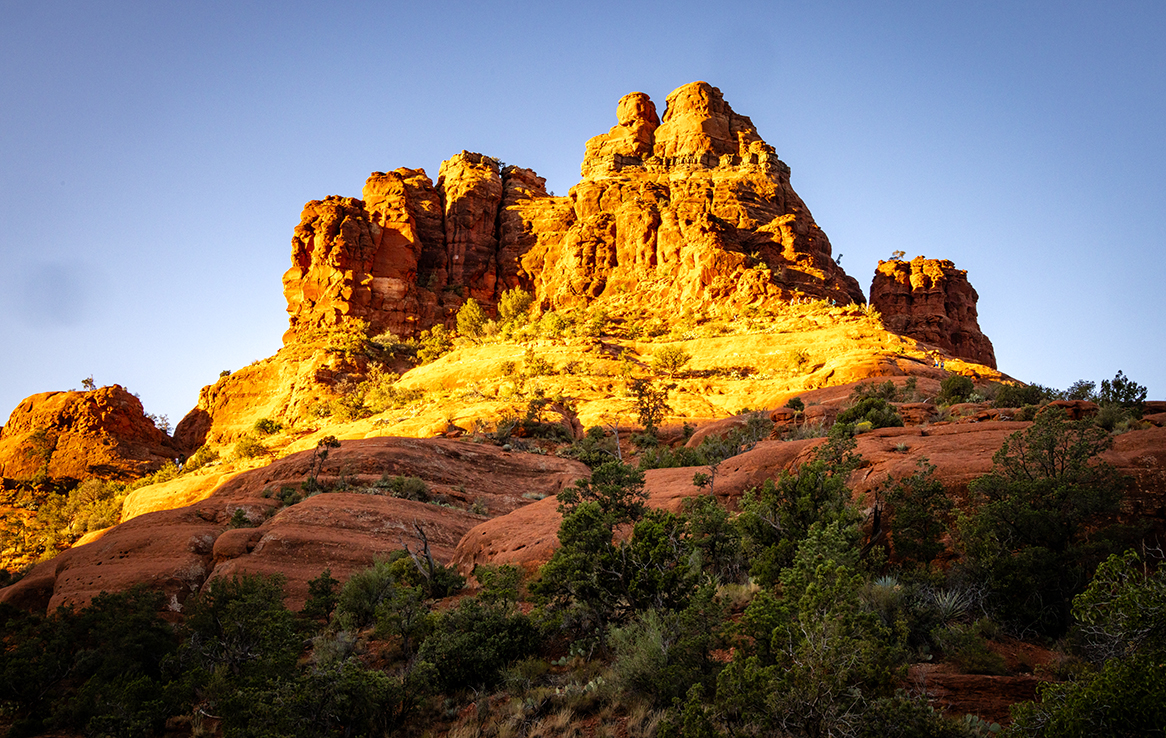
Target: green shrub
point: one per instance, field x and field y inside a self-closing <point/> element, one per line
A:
<point x="670" y="360"/>
<point x="200" y="458"/>
<point x="407" y="488"/>
<point x="434" y="343"/>
<point x="514" y="305"/>
<point x="1123" y="392"/>
<point x="874" y="410"/>
<point x="955" y="389"/>
<point x="267" y="426"/>
<point x="796" y="404"/>
<point x="967" y="647"/>
<point x="365" y="590"/>
<point x="1016" y="395"/>
<point x="1034" y="532"/>
<point x="471" y="644"/>
<point x="248" y="447"/>
<point x="470" y="319"/>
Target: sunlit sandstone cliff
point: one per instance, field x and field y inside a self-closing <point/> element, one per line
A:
<point x="690" y="208"/>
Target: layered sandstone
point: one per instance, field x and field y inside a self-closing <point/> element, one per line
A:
<point x="74" y="435"/>
<point x="178" y="550"/>
<point x="691" y="208"/>
<point x="932" y="301"/>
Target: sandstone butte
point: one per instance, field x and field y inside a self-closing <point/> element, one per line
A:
<point x="688" y="212"/>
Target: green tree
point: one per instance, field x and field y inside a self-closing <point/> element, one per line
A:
<point x="470" y="319"/>
<point x="670" y="360"/>
<point x="651" y="403"/>
<point x="955" y="388"/>
<point x="1123" y="619"/>
<point x="818" y="654"/>
<point x="1029" y="535"/>
<point x="514" y="305"/>
<point x="919" y="513"/>
<point x="778" y="515"/>
<point x="1124" y="393"/>
<point x="874" y="410"/>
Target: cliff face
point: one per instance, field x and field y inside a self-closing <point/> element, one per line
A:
<point x="690" y="208"/>
<point x="100" y="433"/>
<point x="932" y="301"/>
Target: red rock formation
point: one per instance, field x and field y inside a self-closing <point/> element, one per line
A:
<point x="696" y="209"/>
<point x="693" y="208"/>
<point x="471" y="193"/>
<point x="176" y="551"/>
<point x="932" y="301"/>
<point x="99" y="433"/>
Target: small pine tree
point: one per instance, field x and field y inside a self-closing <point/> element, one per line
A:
<point x="470" y="319"/>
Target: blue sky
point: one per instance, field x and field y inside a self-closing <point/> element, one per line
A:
<point x="154" y="157"/>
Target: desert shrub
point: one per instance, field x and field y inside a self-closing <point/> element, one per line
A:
<point x="1082" y="389"/>
<point x="407" y="488"/>
<point x="248" y="447"/>
<point x="239" y="637"/>
<point x="967" y="647"/>
<point x="955" y="389"/>
<point x="1123" y="392"/>
<point x="553" y="325"/>
<point x="1033" y="535"/>
<point x="536" y="366"/>
<point x="380" y="392"/>
<point x="365" y="590"/>
<point x="471" y="644"/>
<point x="1122" y="617"/>
<point x="99" y="671"/>
<point x="874" y="410"/>
<point x="812" y="650"/>
<point x="660" y="654"/>
<point x="514" y="305"/>
<point x="670" y="360"/>
<point x="470" y="319"/>
<point x="594" y="449"/>
<point x="920" y="513"/>
<point x="778" y="515"/>
<point x="886" y="391"/>
<point x="1016" y="395"/>
<point x="200" y="458"/>
<point x="796" y="404"/>
<point x="617" y="488"/>
<point x="322" y="596"/>
<point x="434" y="343"/>
<point x="267" y="426"/>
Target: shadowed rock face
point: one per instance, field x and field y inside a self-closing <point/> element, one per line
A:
<point x="101" y="433"/>
<point x="932" y="301"/>
<point x="688" y="208"/>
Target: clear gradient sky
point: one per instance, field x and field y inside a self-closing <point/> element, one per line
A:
<point x="155" y="156"/>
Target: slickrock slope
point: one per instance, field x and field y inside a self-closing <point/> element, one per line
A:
<point x="176" y="551"/>
<point x="693" y="207"/>
<point x="100" y="433"/>
<point x="932" y="301"/>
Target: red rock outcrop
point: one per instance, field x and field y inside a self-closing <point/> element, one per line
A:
<point x="693" y="207"/>
<point x="932" y="301"/>
<point x="960" y="452"/>
<point x="97" y="433"/>
<point x="176" y="551"/>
